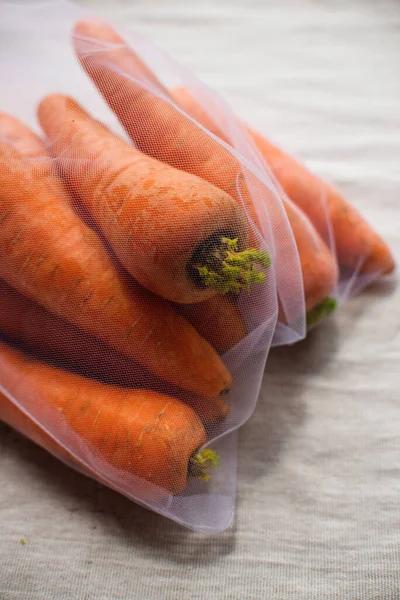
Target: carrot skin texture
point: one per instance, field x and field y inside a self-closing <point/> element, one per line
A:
<point x="357" y="244"/>
<point x="218" y="320"/>
<point x="318" y="266"/>
<point x="38" y="331"/>
<point x="52" y="257"/>
<point x="146" y="434"/>
<point x="158" y="129"/>
<point x="29" y="144"/>
<point x="162" y="132"/>
<point x="20" y="137"/>
<point x="155" y="217"/>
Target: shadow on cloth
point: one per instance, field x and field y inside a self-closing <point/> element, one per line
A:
<point x="282" y="405"/>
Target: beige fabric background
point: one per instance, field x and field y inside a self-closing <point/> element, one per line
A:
<point x="318" y="512"/>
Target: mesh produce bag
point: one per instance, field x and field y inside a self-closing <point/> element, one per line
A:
<point x="340" y="253"/>
<point x="338" y="250"/>
<point x="147" y="264"/>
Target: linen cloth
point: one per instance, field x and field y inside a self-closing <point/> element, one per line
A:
<point x="318" y="508"/>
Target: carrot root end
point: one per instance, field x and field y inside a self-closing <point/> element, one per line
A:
<point x="201" y="463"/>
<point x="322" y="310"/>
<point x="229" y="270"/>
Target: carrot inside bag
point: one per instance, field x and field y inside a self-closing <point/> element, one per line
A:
<point x="158" y="129"/>
<point x="218" y="320"/>
<point x="34" y="329"/>
<point x="357" y="245"/>
<point x="178" y="235"/>
<point x="151" y="436"/>
<point x="318" y="266"/>
<point x="130" y="262"/>
<point x="52" y="257"/>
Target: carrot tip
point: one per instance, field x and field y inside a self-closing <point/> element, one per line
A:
<point x="228" y="270"/>
<point x="322" y="310"/>
<point x="201" y="463"/>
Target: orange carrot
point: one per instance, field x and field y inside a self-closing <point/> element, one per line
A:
<point x="27" y="324"/>
<point x="317" y="265"/>
<point x="358" y="246"/>
<point x="28" y="143"/>
<point x="150" y="435"/>
<point x="20" y="137"/>
<point x="166" y="226"/>
<point x="161" y="131"/>
<point x="50" y="255"/>
<point x="218" y="320"/>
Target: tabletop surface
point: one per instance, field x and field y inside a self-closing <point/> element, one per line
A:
<point x="318" y="509"/>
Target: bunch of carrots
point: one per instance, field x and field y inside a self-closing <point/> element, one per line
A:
<point x="121" y="265"/>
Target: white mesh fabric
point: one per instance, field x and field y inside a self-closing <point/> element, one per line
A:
<point x="57" y="332"/>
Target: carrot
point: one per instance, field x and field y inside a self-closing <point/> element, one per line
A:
<point x="218" y="320"/>
<point x="161" y="131"/>
<point x="31" y="145"/>
<point x="317" y="265"/>
<point x="50" y="255"/>
<point x="146" y="434"/>
<point x="20" y="137"/>
<point x="358" y="246"/>
<point x="36" y="330"/>
<point x="168" y="228"/>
